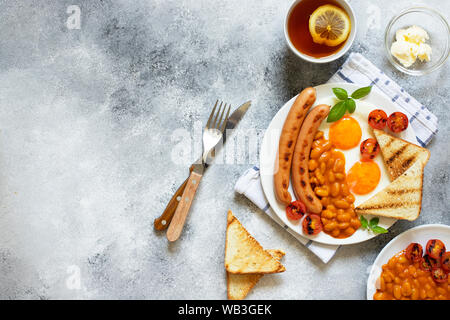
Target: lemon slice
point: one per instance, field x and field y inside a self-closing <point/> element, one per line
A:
<point x="329" y="25"/>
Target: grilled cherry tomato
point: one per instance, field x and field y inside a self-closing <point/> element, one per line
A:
<point x="445" y="261"/>
<point x="439" y="275"/>
<point x="425" y="264"/>
<point x="377" y="119"/>
<point x="435" y="263"/>
<point x="414" y="252"/>
<point x="369" y="149"/>
<point x="312" y="224"/>
<point x="397" y="122"/>
<point x="295" y="210"/>
<point x="435" y="248"/>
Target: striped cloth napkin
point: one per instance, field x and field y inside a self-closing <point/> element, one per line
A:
<point x="356" y="69"/>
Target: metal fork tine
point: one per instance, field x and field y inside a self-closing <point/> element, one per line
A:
<point x="211" y="115"/>
<point x="217" y="115"/>
<point x="226" y="119"/>
<point x="221" y="116"/>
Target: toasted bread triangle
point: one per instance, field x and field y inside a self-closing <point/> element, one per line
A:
<point x="243" y="254"/>
<point x="239" y="285"/>
<point x="398" y="154"/>
<point x="402" y="199"/>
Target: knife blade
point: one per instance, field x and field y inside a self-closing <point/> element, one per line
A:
<point x="163" y="221"/>
<point x="235" y="117"/>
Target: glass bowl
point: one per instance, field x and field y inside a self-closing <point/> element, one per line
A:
<point x="438" y="30"/>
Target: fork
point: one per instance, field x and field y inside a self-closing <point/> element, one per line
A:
<point x="212" y="134"/>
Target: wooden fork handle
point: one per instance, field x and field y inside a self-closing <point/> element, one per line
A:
<point x="179" y="218"/>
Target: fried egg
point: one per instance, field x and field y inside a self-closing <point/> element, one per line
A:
<point x="345" y="133"/>
<point x="364" y="178"/>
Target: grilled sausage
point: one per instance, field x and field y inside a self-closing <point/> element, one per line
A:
<point x="288" y="139"/>
<point x="300" y="173"/>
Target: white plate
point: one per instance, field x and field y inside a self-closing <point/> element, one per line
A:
<point x="269" y="148"/>
<point x="420" y="234"/>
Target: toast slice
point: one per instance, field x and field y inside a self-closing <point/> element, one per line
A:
<point x="243" y="254"/>
<point x="398" y="154"/>
<point x="401" y="199"/>
<point x="239" y="285"/>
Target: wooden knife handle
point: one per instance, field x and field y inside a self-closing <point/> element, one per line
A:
<point x="179" y="218"/>
<point x="163" y="221"/>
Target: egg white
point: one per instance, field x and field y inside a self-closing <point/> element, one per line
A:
<point x="353" y="155"/>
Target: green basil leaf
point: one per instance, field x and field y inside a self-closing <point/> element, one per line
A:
<point x="337" y="112"/>
<point x="363" y="221"/>
<point x="361" y="92"/>
<point x="350" y="105"/>
<point x="340" y="93"/>
<point x="374" y="222"/>
<point x="378" y="229"/>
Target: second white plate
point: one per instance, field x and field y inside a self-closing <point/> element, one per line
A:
<point x="420" y="234"/>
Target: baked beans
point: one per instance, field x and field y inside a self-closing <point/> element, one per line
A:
<point x="402" y="279"/>
<point x="328" y="180"/>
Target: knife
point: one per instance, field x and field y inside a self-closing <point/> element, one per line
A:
<point x="162" y="222"/>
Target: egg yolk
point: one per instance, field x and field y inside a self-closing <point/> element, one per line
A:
<point x="363" y="177"/>
<point x="345" y="133"/>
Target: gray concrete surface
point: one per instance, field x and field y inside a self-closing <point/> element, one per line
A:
<point x="87" y="122"/>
